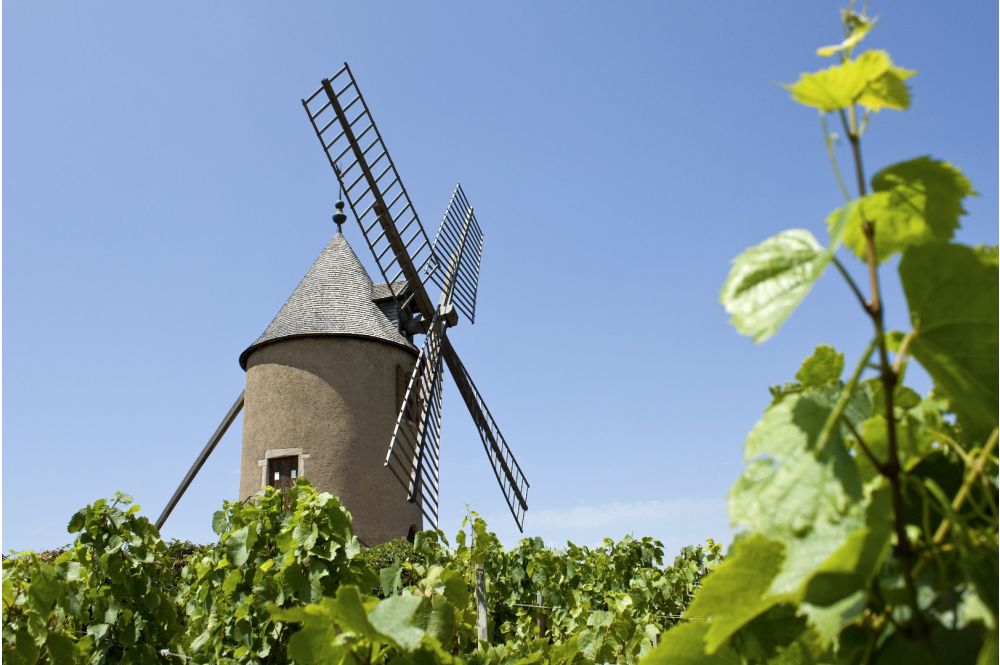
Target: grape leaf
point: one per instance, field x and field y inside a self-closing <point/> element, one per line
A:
<point x="768" y="281"/>
<point x="852" y="566"/>
<point x="684" y="644"/>
<point x="236" y="547"/>
<point x="825" y="364"/>
<point x="394" y="618"/>
<point x="952" y="294"/>
<point x="316" y="642"/>
<point x="912" y="203"/>
<point x="888" y="91"/>
<point x="829" y="620"/>
<point x="819" y="491"/>
<point x="842" y="85"/>
<point x="737" y="591"/>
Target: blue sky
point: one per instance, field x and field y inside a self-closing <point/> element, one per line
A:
<point x="163" y="194"/>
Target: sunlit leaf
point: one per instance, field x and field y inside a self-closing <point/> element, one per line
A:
<point x="912" y="203"/>
<point x="842" y="85"/>
<point x="824" y="365"/>
<point x="737" y="591"/>
<point x="768" y="281"/>
<point x="236" y="546"/>
<point x="819" y="491"/>
<point x="394" y="618"/>
<point x="684" y="644"/>
<point x="888" y="91"/>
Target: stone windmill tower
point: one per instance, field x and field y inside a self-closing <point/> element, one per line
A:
<point x="323" y="387"/>
<point x="336" y="377"/>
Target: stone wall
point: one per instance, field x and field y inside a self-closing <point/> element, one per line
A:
<point x="332" y="401"/>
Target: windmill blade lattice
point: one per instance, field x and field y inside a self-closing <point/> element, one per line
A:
<point x="513" y="484"/>
<point x="415" y="449"/>
<point x="459" y="241"/>
<point x="389" y="222"/>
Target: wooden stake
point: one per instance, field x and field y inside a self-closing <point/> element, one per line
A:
<point x="481" y="630"/>
<point x="541" y="614"/>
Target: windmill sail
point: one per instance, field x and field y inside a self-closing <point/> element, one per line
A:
<point x="459" y="242"/>
<point x="372" y="186"/>
<point x="397" y="240"/>
<point x="415" y="449"/>
<point x="513" y="484"/>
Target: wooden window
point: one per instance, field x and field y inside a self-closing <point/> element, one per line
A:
<point x="282" y="471"/>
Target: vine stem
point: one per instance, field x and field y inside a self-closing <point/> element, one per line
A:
<point x="891" y="468"/>
<point x="975" y="469"/>
<point x="832" y="156"/>
<point x="864" y="446"/>
<point x="851" y="283"/>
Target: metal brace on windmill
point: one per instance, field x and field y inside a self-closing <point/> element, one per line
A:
<point x="336" y="374"/>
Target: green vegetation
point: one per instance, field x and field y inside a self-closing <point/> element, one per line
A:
<point x="868" y="512"/>
<point x="288" y="582"/>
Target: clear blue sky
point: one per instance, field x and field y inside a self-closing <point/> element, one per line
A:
<point x="163" y="194"/>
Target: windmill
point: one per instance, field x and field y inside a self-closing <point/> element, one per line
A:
<point x="316" y="402"/>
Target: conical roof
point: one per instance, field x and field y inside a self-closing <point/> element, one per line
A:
<point x="334" y="298"/>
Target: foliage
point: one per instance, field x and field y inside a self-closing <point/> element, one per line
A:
<point x="107" y="599"/>
<point x="869" y="512"/>
<point x="288" y="582"/>
<point x="282" y="550"/>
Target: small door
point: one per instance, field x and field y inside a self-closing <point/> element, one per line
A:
<point x="282" y="471"/>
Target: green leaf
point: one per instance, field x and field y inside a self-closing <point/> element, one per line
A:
<point x="912" y="203"/>
<point x="852" y="566"/>
<point x="219" y="522"/>
<point x="316" y="642"/>
<point x="590" y="642"/>
<point x="888" y="91"/>
<point x="121" y="497"/>
<point x="952" y="295"/>
<point x="61" y="649"/>
<point x="684" y="644"/>
<point x="600" y="619"/>
<point x="825" y="364"/>
<point x="394" y="618"/>
<point x="772" y="633"/>
<point x="391" y="578"/>
<point x="828" y="621"/>
<point x="840" y="86"/>
<point x="8" y="592"/>
<point x="737" y="591"/>
<point x="97" y="630"/>
<point x="913" y="440"/>
<point x="236" y="546"/>
<point x="819" y="491"/>
<point x="25" y="650"/>
<point x="44" y="589"/>
<point x="768" y="281"/>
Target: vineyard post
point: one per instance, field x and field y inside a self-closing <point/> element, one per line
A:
<point x="481" y="633"/>
<point x="541" y="614"/>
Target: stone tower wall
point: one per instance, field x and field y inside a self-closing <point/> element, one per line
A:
<point x="331" y="401"/>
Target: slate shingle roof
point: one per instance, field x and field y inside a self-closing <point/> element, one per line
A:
<point x="334" y="298"/>
<point x="380" y="291"/>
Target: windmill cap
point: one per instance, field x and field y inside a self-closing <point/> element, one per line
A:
<point x="334" y="298"/>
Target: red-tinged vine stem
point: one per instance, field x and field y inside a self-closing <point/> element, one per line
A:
<point x="890" y="468"/>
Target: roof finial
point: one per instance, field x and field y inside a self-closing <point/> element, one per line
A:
<point x="339" y="217"/>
